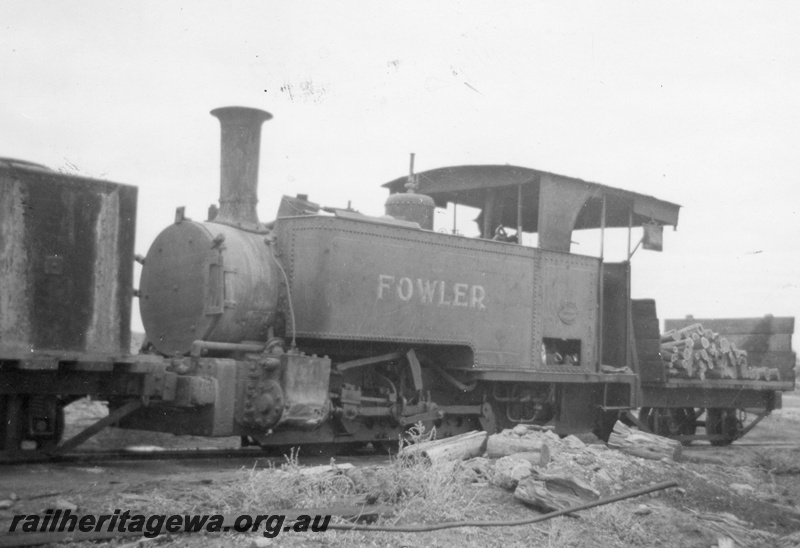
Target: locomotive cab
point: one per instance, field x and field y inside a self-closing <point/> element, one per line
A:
<point x="549" y="208"/>
<point x="583" y="323"/>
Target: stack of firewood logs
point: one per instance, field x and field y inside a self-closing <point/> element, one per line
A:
<point x="697" y="353"/>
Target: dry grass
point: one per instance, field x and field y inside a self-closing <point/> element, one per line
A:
<point x="779" y="461"/>
<point x="420" y="493"/>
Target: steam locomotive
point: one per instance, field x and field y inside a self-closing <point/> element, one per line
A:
<point x="325" y="325"/>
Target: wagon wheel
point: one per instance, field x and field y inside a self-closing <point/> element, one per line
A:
<point x="662" y="421"/>
<point x="658" y="420"/>
<point x="50" y="443"/>
<point x="22" y="419"/>
<point x="644" y="413"/>
<point x="669" y="422"/>
<point x="686" y="420"/>
<point x="12" y="426"/>
<point x="723" y="422"/>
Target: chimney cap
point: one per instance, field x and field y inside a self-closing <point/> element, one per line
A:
<point x="242" y="114"/>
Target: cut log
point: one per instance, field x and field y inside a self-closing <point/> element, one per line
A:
<point x="688" y="330"/>
<point x="329" y="469"/>
<point x="698" y="351"/>
<point x="461" y="447"/>
<point x="763" y="374"/>
<point x="678" y="373"/>
<point x="506" y="443"/>
<point x="741" y="360"/>
<point x="550" y="493"/>
<point x="772" y="374"/>
<point x="669" y="336"/>
<point x="642" y="444"/>
<point x="667" y="349"/>
<point x="683" y="343"/>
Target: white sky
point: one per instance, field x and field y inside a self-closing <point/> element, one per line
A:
<point x="695" y="103"/>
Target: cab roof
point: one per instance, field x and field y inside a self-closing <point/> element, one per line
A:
<point x="543" y="194"/>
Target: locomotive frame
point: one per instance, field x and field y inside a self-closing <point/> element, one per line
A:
<point x="327" y="325"/>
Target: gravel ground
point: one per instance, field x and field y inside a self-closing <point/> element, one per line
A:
<point x="746" y="492"/>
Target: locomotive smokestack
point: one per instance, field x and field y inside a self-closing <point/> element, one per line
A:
<point x="241" y="142"/>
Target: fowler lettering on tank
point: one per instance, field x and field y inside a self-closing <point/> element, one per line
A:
<point x="431" y="292"/>
<point x="370" y="282"/>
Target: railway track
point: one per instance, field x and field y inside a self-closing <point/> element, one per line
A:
<point x="129" y="454"/>
<point x="158" y="454"/>
<point x="779" y="445"/>
<point x="254" y="453"/>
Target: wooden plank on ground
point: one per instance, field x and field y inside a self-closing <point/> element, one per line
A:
<point x="643" y="444"/>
